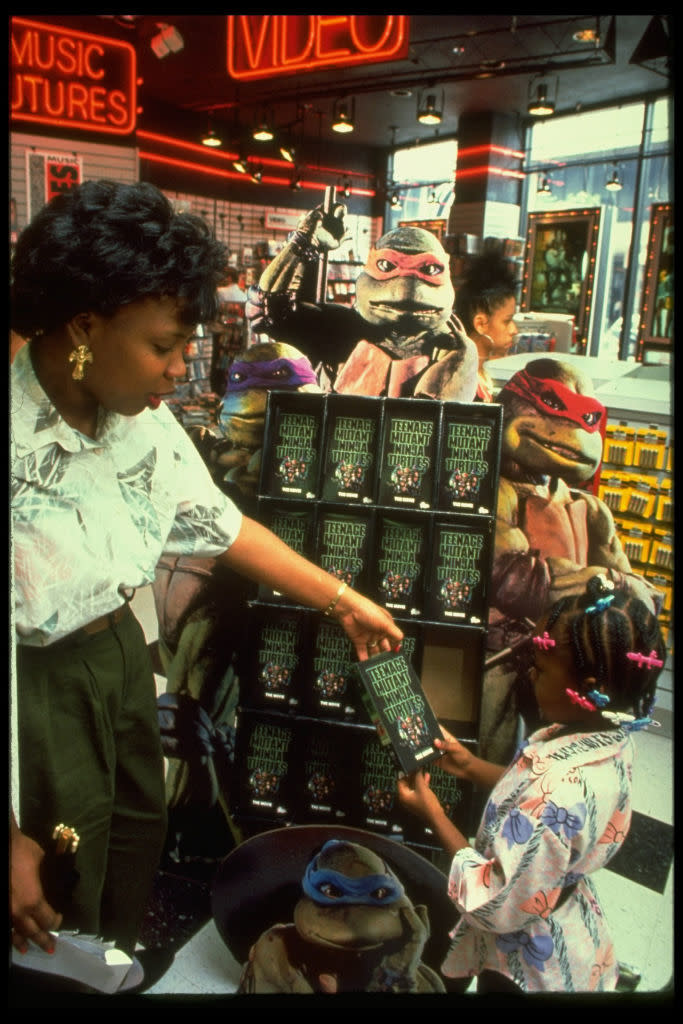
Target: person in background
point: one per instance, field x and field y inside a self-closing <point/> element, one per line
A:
<point x="229" y="289"/>
<point x="486" y="302"/>
<point x="108" y="284"/>
<point x="530" y="917"/>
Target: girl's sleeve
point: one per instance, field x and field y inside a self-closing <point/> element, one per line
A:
<point x="533" y="850"/>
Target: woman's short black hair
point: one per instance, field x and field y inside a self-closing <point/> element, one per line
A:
<point x="488" y="282"/>
<point x="105" y="244"/>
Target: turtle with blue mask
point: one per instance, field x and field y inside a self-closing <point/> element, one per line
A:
<point x="354" y="929"/>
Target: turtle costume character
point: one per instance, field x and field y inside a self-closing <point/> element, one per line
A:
<point x="400" y="338"/>
<point x="553" y="533"/>
<point x="336" y="918"/>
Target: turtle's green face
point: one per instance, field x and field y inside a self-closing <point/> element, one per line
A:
<point x="406" y="283"/>
<point x="352" y="926"/>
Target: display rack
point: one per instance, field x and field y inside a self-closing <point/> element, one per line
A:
<point x="398" y="498"/>
<point x="636" y="483"/>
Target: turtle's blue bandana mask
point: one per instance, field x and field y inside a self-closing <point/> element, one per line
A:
<point x="330" y="888"/>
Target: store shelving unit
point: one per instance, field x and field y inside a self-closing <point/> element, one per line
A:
<point x="398" y="498"/>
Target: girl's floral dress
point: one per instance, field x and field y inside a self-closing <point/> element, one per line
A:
<point x="529" y="911"/>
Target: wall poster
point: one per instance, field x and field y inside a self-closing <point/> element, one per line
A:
<point x="657" y="316"/>
<point x="559" y="265"/>
<point x="48" y="174"/>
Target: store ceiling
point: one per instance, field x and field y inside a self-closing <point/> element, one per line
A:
<point x="517" y="51"/>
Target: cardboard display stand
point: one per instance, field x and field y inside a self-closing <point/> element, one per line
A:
<point x="398" y="498"/>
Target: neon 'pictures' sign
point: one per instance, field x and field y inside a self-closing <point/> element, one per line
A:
<point x="270" y="45"/>
<point x="72" y="79"/>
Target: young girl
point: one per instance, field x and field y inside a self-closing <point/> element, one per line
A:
<point x="530" y="919"/>
<point x="486" y="302"/>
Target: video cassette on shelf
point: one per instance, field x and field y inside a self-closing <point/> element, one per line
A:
<point x="276" y="660"/>
<point x="329" y="689"/>
<point x="467" y="478"/>
<point x="290" y="464"/>
<point x="459" y="572"/>
<point x="344" y="543"/>
<point x="265" y="765"/>
<point x="408" y="453"/>
<point x="397" y="570"/>
<point x="350" y="449"/>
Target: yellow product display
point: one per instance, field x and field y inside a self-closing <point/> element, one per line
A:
<point x="614" y="489"/>
<point x="661" y="552"/>
<point x="650" y="448"/>
<point x="643" y="497"/>
<point x="664" y="586"/>
<point x="664" y="511"/>
<point x="619" y="444"/>
<point x="636" y="544"/>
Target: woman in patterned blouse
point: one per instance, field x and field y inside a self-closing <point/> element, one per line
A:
<point x="108" y="284"/>
<point x="530" y="918"/>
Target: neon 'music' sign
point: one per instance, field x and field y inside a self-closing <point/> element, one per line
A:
<point x="266" y="45"/>
<point x="72" y="79"/>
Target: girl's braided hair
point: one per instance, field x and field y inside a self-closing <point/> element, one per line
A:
<point x="602" y="626"/>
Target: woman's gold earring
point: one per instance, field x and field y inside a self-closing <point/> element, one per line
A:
<point x="80" y="356"/>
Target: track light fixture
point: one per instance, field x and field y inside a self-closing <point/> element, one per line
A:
<point x="541" y="105"/>
<point x="346" y="188"/>
<point x="295" y="183"/>
<point x="614" y="184"/>
<point x="430" y="108"/>
<point x="395" y="199"/>
<point x="263" y="130"/>
<point x="343" y="116"/>
<point x="241" y="164"/>
<point x="288" y="151"/>
<point x="544" y="188"/>
<point x="211" y="138"/>
<point x="256" y="173"/>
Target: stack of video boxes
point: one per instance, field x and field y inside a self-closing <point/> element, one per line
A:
<point x="398" y="498"/>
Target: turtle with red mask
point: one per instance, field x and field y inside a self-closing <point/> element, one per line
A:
<point x="553" y="533"/>
<point x="400" y="338"/>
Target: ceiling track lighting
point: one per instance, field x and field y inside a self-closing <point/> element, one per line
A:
<point x="256" y="174"/>
<point x="542" y="104"/>
<point x="614" y="184"/>
<point x="241" y="164"/>
<point x="430" y="108"/>
<point x="395" y="199"/>
<point x="346" y="188"/>
<point x="295" y="183"/>
<point x="344" y="116"/>
<point x="544" y="188"/>
<point x="263" y="130"/>
<point x="211" y="138"/>
<point x="288" y="152"/>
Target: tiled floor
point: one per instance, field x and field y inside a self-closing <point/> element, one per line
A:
<point x="636" y="891"/>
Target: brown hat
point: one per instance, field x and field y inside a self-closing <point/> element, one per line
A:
<point x="259" y="883"/>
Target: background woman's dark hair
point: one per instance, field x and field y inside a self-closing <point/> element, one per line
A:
<point x="600" y="640"/>
<point x="105" y="244"/>
<point x="488" y="282"/>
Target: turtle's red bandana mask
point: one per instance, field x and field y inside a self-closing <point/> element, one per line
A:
<point x="383" y="264"/>
<point x="551" y="398"/>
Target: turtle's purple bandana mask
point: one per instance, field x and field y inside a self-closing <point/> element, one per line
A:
<point x="272" y="373"/>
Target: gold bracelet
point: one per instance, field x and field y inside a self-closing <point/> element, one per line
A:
<point x="335" y="600"/>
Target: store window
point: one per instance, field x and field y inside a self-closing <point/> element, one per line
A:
<point x="420" y="185"/>
<point x="618" y="160"/>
